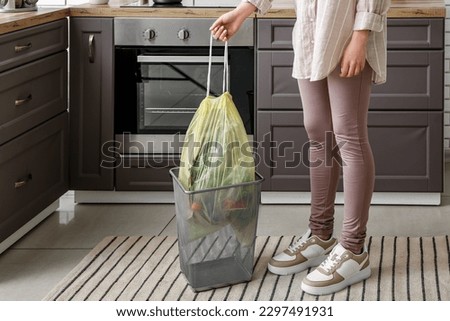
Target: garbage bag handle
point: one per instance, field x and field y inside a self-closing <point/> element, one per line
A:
<point x="226" y="82"/>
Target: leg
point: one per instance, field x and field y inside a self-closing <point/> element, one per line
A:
<point x="347" y="263"/>
<point x="314" y="246"/>
<point x="349" y="107"/>
<point x="324" y="171"/>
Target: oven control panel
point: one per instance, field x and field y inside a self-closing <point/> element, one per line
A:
<point x="174" y="32"/>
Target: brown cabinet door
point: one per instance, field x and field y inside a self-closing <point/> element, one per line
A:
<point x="33" y="173"/>
<point x="414" y="81"/>
<point x="19" y="47"/>
<point x="276" y="89"/>
<point x="407" y="157"/>
<point x="145" y="173"/>
<point x="31" y="94"/>
<point x="91" y="102"/>
<point x="407" y="147"/>
<point x="402" y="33"/>
<point x="282" y="151"/>
<point x="415" y="33"/>
<point x="275" y="33"/>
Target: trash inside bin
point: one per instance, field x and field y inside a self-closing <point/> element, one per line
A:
<point x="216" y="232"/>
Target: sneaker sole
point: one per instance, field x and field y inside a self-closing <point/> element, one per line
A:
<point x="358" y="277"/>
<point x="297" y="268"/>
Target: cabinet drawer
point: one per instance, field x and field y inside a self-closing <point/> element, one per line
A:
<point x="415" y="33"/>
<point x="31" y="94"/>
<point x="145" y="173"/>
<point x="407" y="148"/>
<point x="33" y="173"/>
<point x="402" y="33"/>
<point x="276" y="89"/>
<point x="23" y="46"/>
<point x="414" y="81"/>
<point x="275" y="33"/>
<point x="408" y="152"/>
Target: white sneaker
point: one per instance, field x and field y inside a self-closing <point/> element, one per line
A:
<point x="341" y="269"/>
<point x="307" y="251"/>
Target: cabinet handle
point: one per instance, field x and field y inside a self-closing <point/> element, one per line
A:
<point x="19" y="48"/>
<point x="91" y="50"/>
<point x="20" y="102"/>
<point x="22" y="182"/>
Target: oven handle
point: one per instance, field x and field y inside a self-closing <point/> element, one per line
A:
<point x="178" y="59"/>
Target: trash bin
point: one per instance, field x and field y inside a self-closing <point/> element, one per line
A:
<point x="216" y="232"/>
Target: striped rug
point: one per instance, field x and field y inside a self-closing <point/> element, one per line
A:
<point x="147" y="268"/>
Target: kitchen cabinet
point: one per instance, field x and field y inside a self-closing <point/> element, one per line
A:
<point x="284" y="165"/>
<point x="145" y="173"/>
<point x="406" y="156"/>
<point x="91" y="103"/>
<point x="33" y="123"/>
<point x="405" y="117"/>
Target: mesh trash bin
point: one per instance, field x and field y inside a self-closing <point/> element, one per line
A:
<point x="216" y="232"/>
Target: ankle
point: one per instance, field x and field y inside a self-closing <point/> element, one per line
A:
<point x="323" y="237"/>
<point x="355" y="251"/>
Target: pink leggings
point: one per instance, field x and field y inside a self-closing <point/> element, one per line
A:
<point x="337" y="108"/>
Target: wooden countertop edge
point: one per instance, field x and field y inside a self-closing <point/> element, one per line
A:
<point x="18" y="21"/>
<point x="25" y="20"/>
<point x="431" y="12"/>
<point x="394" y="12"/>
<point x="107" y="11"/>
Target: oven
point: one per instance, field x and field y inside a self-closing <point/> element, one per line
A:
<point x="161" y="70"/>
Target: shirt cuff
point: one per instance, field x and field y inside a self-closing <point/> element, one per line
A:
<point x="262" y="5"/>
<point x="369" y="21"/>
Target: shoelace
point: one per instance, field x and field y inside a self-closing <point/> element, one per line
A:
<point x="296" y="245"/>
<point x="331" y="263"/>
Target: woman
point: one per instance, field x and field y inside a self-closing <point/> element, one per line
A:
<point x="340" y="50"/>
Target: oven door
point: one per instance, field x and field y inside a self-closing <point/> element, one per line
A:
<point x="170" y="90"/>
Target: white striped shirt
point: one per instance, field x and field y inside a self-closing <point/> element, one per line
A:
<point x="324" y="28"/>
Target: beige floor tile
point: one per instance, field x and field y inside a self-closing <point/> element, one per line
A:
<point x="83" y="226"/>
<point x="410" y="220"/>
<point x="278" y="220"/>
<point x="28" y="275"/>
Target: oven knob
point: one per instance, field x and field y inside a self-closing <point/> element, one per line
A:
<point x="149" y="34"/>
<point x="183" y="34"/>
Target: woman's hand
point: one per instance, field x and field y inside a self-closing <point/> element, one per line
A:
<point x="354" y="57"/>
<point x="229" y="23"/>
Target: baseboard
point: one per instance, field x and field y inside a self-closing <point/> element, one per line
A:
<point x="99" y="197"/>
<point x="7" y="243"/>
<point x="378" y="198"/>
<point x="120" y="197"/>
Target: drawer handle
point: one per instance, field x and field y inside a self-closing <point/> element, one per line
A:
<point x="19" y="48"/>
<point x="91" y="49"/>
<point x="20" y="102"/>
<point x="22" y="182"/>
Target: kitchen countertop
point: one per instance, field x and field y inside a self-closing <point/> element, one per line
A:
<point x="16" y="21"/>
<point x="399" y="9"/>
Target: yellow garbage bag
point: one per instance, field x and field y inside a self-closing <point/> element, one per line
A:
<point x="216" y="153"/>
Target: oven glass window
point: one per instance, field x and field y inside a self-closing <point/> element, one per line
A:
<point x="171" y="90"/>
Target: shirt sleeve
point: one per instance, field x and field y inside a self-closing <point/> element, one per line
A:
<point x="262" y="5"/>
<point x="371" y="14"/>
